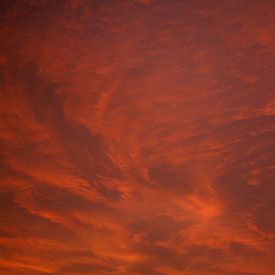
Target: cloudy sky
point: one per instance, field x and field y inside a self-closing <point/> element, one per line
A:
<point x="137" y="137"/>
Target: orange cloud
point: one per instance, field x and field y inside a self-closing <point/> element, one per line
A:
<point x="137" y="137"/>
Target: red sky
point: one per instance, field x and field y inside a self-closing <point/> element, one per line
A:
<point x="137" y="137"/>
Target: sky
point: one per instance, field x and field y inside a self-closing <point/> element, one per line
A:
<point x="137" y="137"/>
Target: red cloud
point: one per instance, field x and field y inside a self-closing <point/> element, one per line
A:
<point x="137" y="137"/>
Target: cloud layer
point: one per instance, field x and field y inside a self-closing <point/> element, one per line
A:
<point x="137" y="137"/>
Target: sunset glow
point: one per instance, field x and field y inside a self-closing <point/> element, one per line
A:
<point x="137" y="137"/>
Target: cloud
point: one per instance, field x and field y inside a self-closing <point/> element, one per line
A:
<point x="137" y="137"/>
